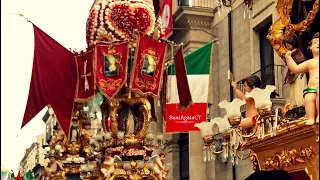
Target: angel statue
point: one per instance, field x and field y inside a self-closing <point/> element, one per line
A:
<point x="58" y="136"/>
<point x="108" y="164"/>
<point x="158" y="168"/>
<point x="86" y="133"/>
<point x="52" y="167"/>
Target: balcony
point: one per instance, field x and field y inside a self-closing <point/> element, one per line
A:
<point x="197" y="3"/>
<point x="269" y="75"/>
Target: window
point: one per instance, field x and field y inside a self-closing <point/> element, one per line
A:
<point x="184" y="156"/>
<point x="266" y="56"/>
<point x="185" y="3"/>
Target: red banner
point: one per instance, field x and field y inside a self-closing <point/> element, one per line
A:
<point x="183" y="121"/>
<point x="112" y="68"/>
<point x="166" y="16"/>
<point x="86" y="77"/>
<point x="148" y="66"/>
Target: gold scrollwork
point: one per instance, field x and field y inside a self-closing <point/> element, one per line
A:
<point x="114" y="105"/>
<point x="255" y="162"/>
<point x="282" y="29"/>
<point x="110" y="84"/>
<point x="288" y="157"/>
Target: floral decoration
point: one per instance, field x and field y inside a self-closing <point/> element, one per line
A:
<point x="112" y="20"/>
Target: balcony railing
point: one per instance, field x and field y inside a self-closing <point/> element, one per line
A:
<point x="269" y="75"/>
<point x="197" y="3"/>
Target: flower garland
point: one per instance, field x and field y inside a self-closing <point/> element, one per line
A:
<point x="114" y="20"/>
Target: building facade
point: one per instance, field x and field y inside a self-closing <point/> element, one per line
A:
<point x="34" y="158"/>
<point x="243" y="48"/>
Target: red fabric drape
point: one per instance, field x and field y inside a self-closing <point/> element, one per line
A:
<point x="182" y="81"/>
<point x="153" y="111"/>
<point x="164" y="94"/>
<point x="53" y="80"/>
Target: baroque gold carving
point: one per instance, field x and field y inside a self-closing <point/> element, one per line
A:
<point x="288" y="157"/>
<point x="282" y="29"/>
<point x="114" y="105"/>
<point x="72" y="168"/>
<point x="73" y="149"/>
<point x="312" y="168"/>
<point x="286" y="132"/>
<point x="255" y="162"/>
<point x="133" y="173"/>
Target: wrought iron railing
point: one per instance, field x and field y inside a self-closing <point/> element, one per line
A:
<point x="269" y="75"/>
<point x="197" y="3"/>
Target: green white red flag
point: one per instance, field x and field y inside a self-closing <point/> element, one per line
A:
<point x="198" y="65"/>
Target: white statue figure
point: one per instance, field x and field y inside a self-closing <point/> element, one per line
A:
<point x="158" y="168"/>
<point x="96" y="125"/>
<point x="74" y="132"/>
<point x="108" y="164"/>
<point x="130" y="123"/>
<point x="52" y="167"/>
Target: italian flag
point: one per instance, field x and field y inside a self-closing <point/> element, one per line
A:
<point x="198" y="65"/>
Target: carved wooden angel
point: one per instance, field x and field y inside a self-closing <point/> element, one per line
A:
<point x="58" y="137"/>
<point x="108" y="164"/>
<point x="158" y="168"/>
<point x="52" y="167"/>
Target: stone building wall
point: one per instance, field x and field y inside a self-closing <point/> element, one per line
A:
<point x="246" y="60"/>
<point x="34" y="155"/>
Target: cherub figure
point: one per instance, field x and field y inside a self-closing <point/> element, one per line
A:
<point x="310" y="66"/>
<point x="296" y="81"/>
<point x="249" y="83"/>
<point x="108" y="164"/>
<point x="52" y="167"/>
<point x="86" y="133"/>
<point x="158" y="167"/>
<point x="58" y="136"/>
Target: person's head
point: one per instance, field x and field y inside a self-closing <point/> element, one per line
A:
<point x="314" y="44"/>
<point x="87" y="124"/>
<point x="56" y="127"/>
<point x="52" y="158"/>
<point x="290" y="44"/>
<point x="251" y="82"/>
<point x="163" y="156"/>
<point x="108" y="152"/>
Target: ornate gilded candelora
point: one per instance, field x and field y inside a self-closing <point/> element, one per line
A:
<point x="102" y="155"/>
<point x="225" y="135"/>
